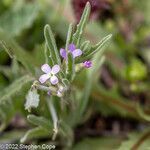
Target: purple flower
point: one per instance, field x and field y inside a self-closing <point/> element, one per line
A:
<point x="72" y="49"/>
<point x="49" y="93"/>
<point x="49" y="74"/>
<point x="87" y="64"/>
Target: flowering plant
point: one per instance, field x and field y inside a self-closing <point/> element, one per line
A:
<point x="54" y="91"/>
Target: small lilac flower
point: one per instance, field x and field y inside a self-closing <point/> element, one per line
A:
<point x="87" y="64"/>
<point x="72" y="49"/>
<point x="49" y="74"/>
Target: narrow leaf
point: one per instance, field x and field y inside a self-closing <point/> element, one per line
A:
<point x="70" y="68"/>
<point x="15" y="50"/>
<point x="38" y="132"/>
<point x="85" y="46"/>
<point x="40" y="121"/>
<point x="54" y="116"/>
<point x="97" y="63"/>
<point x="51" y="44"/>
<point x="6" y="110"/>
<point x="8" y="51"/>
<point x="13" y="88"/>
<point x="80" y="27"/>
<point x="94" y="49"/>
<point x="69" y="36"/>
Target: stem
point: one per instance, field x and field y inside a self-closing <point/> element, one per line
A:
<point x="54" y="117"/>
<point x="140" y="141"/>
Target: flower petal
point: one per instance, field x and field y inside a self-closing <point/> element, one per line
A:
<point x="76" y="53"/>
<point x="46" y="68"/>
<point x="54" y="80"/>
<point x="43" y="78"/>
<point x="55" y="69"/>
<point x="71" y="47"/>
<point x="63" y="53"/>
<point x="87" y="64"/>
<point x="49" y="93"/>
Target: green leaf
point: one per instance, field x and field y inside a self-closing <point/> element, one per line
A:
<point x="13" y="22"/>
<point x="48" y="58"/>
<point x="137" y="141"/>
<point x="53" y="113"/>
<point x="80" y="27"/>
<point x="6" y="111"/>
<point x="8" y="51"/>
<point x="51" y="44"/>
<point x="98" y="144"/>
<point x="94" y="49"/>
<point x="11" y="136"/>
<point x="32" y="99"/>
<point x="85" y="46"/>
<point x="13" y="88"/>
<point x="70" y="72"/>
<point x="15" y="67"/>
<point x="97" y="63"/>
<point x="15" y="50"/>
<point x="40" y="121"/>
<point x="65" y="82"/>
<point x="69" y="36"/>
<point x="142" y="113"/>
<point x="35" y="133"/>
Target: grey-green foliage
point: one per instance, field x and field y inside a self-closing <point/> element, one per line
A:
<point x="40" y="121"/>
<point x="66" y="76"/>
<point x="7" y="110"/>
<point x="13" y="88"/>
<point x="42" y="130"/>
<point x="137" y="140"/>
<point x="101" y="143"/>
<point x="11" y="136"/>
<point x="34" y="133"/>
<point x="14" y="21"/>
<point x="51" y="44"/>
<point x="85" y="46"/>
<point x="80" y="27"/>
<point x="13" y="49"/>
<point x="94" y="49"/>
<point x="70" y="71"/>
<point x="69" y="67"/>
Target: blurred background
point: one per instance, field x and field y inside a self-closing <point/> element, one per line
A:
<point x="119" y="110"/>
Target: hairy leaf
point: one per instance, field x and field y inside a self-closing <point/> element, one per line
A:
<point x="80" y="27"/>
<point x="40" y="121"/>
<point x="14" y="87"/>
<point x="51" y="44"/>
<point x="94" y="49"/>
<point x="38" y="132"/>
<point x="15" y="21"/>
<point x="70" y="72"/>
<point x="85" y="46"/>
<point x="14" y="49"/>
